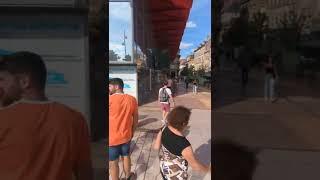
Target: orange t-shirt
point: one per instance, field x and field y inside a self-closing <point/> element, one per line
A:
<point x="42" y="141"/>
<point x="121" y="110"/>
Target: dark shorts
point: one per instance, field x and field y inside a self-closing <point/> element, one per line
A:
<point x="165" y="107"/>
<point x="120" y="150"/>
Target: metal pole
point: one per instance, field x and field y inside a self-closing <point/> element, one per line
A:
<point x="150" y="78"/>
<point x="125" y="49"/>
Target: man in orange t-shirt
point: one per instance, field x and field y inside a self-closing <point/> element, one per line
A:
<point x="123" y="120"/>
<point x="39" y="139"/>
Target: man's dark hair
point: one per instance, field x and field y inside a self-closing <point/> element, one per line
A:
<point x="117" y="81"/>
<point x="233" y="161"/>
<point x="179" y="117"/>
<point x="28" y="63"/>
<point x="164" y="83"/>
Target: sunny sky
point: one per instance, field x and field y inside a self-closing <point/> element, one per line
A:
<point x="198" y="27"/>
<point x="120" y="22"/>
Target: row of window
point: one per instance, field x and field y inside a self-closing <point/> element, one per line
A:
<point x="280" y="3"/>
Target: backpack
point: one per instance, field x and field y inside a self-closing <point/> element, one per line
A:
<point x="164" y="96"/>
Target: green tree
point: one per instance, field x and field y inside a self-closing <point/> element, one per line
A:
<point x="291" y="26"/>
<point x="188" y="71"/>
<point x="201" y="71"/>
<point x="127" y="58"/>
<point x="237" y="35"/>
<point x="113" y="56"/>
<point x="258" y="27"/>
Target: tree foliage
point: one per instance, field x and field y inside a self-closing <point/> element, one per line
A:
<point x="291" y="26"/>
<point x="237" y="34"/>
<point x="127" y="58"/>
<point x="258" y="26"/>
<point x="113" y="56"/>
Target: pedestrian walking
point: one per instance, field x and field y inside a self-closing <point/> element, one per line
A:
<point x="186" y="81"/>
<point x="39" y="139"/>
<point x="176" y="151"/>
<point x="165" y="95"/>
<point x="270" y="79"/>
<point x="123" y="120"/>
<point x="171" y="84"/>
<point x="244" y="62"/>
<point x="195" y="87"/>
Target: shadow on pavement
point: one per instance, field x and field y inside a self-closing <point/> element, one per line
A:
<point x="203" y="153"/>
<point x="142" y="116"/>
<point x="147" y="121"/>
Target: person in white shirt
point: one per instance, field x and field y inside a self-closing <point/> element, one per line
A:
<point x="171" y="84"/>
<point x="164" y="97"/>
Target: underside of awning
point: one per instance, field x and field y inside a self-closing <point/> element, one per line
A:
<point x="160" y="24"/>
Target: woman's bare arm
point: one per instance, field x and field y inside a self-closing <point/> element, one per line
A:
<point x="188" y="154"/>
<point x="157" y="142"/>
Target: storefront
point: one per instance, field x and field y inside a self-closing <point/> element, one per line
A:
<point x="58" y="31"/>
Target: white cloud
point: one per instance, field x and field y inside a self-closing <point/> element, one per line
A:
<point x="185" y="45"/>
<point x="191" y="24"/>
<point x="120" y="11"/>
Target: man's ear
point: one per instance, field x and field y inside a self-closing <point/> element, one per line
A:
<point x="24" y="81"/>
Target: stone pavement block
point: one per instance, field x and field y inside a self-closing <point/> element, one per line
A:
<point x="141" y="138"/>
<point x="151" y="176"/>
<point x="154" y="153"/>
<point x="144" y="157"/>
<point x="133" y="147"/>
<point x="135" y="155"/>
<point x="135" y="136"/>
<point x="148" y="142"/>
<point x="140" y="171"/>
<point x="153" y="165"/>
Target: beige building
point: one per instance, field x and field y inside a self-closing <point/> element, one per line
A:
<point x="276" y="9"/>
<point x="202" y="56"/>
<point x="190" y="60"/>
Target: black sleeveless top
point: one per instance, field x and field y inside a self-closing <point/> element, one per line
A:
<point x="270" y="70"/>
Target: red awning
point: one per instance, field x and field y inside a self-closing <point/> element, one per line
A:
<point x="162" y="24"/>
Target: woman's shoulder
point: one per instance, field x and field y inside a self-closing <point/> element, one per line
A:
<point x="182" y="140"/>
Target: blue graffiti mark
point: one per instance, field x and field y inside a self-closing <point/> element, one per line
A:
<point x="127" y="86"/>
<point x="55" y="78"/>
<point x="5" y="52"/>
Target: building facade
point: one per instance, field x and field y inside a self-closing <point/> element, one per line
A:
<point x="277" y="9"/>
<point x="202" y="56"/>
<point x="190" y="60"/>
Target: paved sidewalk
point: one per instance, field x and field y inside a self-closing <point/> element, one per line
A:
<point x="145" y="162"/>
<point x="286" y="132"/>
<point x="290" y="123"/>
